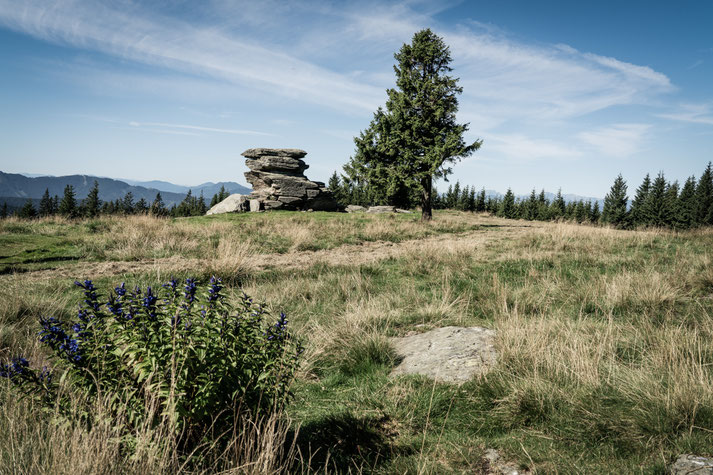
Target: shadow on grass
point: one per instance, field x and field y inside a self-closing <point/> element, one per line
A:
<point x="342" y="442"/>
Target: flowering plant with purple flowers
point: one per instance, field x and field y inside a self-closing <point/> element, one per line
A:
<point x="182" y="346"/>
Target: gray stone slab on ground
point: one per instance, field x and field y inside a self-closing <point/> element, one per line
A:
<point x="234" y="203"/>
<point x="692" y="465"/>
<point x="381" y="209"/>
<point x="254" y="206"/>
<point x="450" y="354"/>
<point x="354" y="208"/>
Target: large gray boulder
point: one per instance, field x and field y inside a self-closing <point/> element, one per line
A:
<point x="234" y="203"/>
<point x="692" y="464"/>
<point x="278" y="181"/>
<point x="450" y="354"/>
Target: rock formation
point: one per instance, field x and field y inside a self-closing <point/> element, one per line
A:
<point x="278" y="181"/>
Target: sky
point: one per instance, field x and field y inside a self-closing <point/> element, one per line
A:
<point x="563" y="94"/>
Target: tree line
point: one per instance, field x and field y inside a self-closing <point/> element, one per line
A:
<point x="660" y="203"/>
<point x="656" y="203"/>
<point x="92" y="206"/>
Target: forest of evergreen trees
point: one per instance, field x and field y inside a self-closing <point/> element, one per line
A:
<point x="91" y="206"/>
<point x="656" y="203"/>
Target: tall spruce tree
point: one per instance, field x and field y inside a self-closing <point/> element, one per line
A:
<point x="615" y="212"/>
<point x="417" y="137"/>
<point x="507" y="207"/>
<point x="596" y="214"/>
<point x="157" y="207"/>
<point x="687" y="205"/>
<point x="3" y="210"/>
<point x="68" y="205"/>
<point x="46" y="204"/>
<point x="480" y="202"/>
<point x="92" y="205"/>
<point x="656" y="210"/>
<point x="639" y="215"/>
<point x="704" y="197"/>
<point x="28" y="210"/>
<point x="559" y="205"/>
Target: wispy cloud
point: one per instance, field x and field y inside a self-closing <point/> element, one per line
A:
<point x="258" y="47"/>
<point x="692" y="113"/>
<point x="618" y="140"/>
<point x="197" y="127"/>
<point x="522" y="148"/>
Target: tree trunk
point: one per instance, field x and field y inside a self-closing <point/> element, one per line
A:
<point x="426" y="213"/>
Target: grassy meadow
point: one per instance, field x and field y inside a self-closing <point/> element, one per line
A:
<point x="605" y="339"/>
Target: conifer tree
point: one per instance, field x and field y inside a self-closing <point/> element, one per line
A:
<point x="456" y="196"/>
<point x="3" y="210"/>
<point x="417" y="137"/>
<point x="507" y="207"/>
<point x="656" y="209"/>
<point x="615" y="204"/>
<point x="639" y="215"/>
<point x="471" y="200"/>
<point x="201" y="208"/>
<point x="531" y="208"/>
<point x="141" y="207"/>
<point x="480" y="202"/>
<point x="68" y="205"/>
<point x="92" y="203"/>
<point x="596" y="214"/>
<point x="28" y="210"/>
<point x="558" y="205"/>
<point x="214" y="201"/>
<point x="157" y="207"/>
<point x="127" y="203"/>
<point x="687" y="215"/>
<point x="672" y="204"/>
<point x="704" y="197"/>
<point x="46" y="204"/>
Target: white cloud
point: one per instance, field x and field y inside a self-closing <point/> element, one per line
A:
<point x="197" y="127"/>
<point x="277" y="48"/>
<point x="618" y="140"/>
<point x="523" y="148"/>
<point x="692" y="113"/>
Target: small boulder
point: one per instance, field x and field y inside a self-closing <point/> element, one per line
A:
<point x="381" y="209"/>
<point x="450" y="354"/>
<point x="354" y="209"/>
<point x="254" y="206"/>
<point x="235" y="203"/>
<point x="689" y="464"/>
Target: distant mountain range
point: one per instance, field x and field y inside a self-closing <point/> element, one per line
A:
<point x="16" y="189"/>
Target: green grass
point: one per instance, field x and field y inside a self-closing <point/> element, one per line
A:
<point x="605" y="339"/>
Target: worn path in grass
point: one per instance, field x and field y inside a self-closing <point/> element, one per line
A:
<point x="345" y="255"/>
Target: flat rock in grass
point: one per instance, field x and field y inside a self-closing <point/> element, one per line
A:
<point x="234" y="203"/>
<point x="354" y="209"/>
<point x="692" y="464"/>
<point x="381" y="209"/>
<point x="449" y="354"/>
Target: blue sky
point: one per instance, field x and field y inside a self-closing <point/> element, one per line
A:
<point x="564" y="94"/>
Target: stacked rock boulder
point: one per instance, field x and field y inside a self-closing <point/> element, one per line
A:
<point x="278" y="181"/>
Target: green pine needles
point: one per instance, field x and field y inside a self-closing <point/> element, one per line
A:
<point x="416" y="137"/>
<point x="180" y="355"/>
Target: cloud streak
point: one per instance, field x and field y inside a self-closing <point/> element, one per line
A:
<point x="511" y="79"/>
<point x="198" y="128"/>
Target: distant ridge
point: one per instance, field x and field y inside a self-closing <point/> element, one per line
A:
<point x="15" y="188"/>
